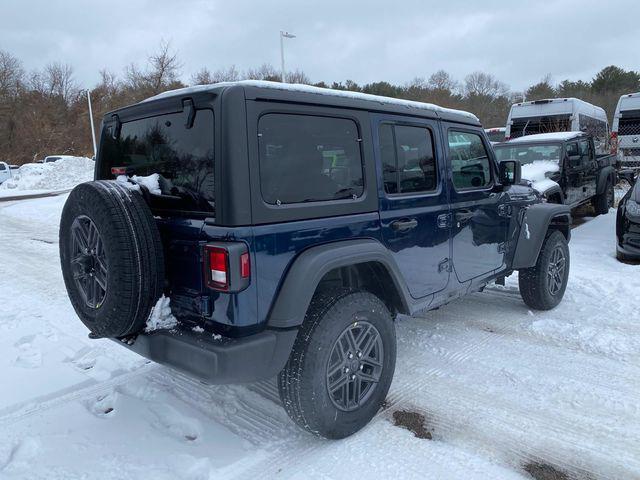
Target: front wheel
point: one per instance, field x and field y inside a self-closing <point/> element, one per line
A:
<point x="342" y="363"/>
<point x="543" y="285"/>
<point x="603" y="202"/>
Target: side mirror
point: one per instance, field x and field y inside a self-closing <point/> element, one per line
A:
<point x="575" y="160"/>
<point x="509" y="172"/>
<point x="628" y="175"/>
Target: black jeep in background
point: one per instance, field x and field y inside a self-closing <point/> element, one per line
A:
<point x="290" y="226"/>
<point x="564" y="168"/>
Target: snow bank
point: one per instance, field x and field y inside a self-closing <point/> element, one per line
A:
<point x="547" y="137"/>
<point x="63" y="174"/>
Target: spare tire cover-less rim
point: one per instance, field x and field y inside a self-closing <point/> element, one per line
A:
<point x="111" y="257"/>
<point x="89" y="263"/>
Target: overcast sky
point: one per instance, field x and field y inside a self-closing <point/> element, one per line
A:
<point x="519" y="42"/>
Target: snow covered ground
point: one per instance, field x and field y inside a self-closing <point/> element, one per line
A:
<point x="502" y="389"/>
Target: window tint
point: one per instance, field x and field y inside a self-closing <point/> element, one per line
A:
<point x="182" y="157"/>
<point x="471" y="167"/>
<point x="408" y="159"/>
<point x="307" y="158"/>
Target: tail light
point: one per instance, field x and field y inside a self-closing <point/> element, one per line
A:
<point x="614" y="143"/>
<point x="227" y="266"/>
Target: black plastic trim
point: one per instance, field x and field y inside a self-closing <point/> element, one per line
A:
<point x="534" y="228"/>
<point x="310" y="266"/>
<point x="226" y="360"/>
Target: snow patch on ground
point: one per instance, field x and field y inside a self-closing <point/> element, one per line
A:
<point x="161" y="317"/>
<point x="62" y="174"/>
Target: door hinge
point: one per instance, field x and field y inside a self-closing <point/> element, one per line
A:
<point x="445" y="265"/>
<point x="505" y="210"/>
<point x="444" y="220"/>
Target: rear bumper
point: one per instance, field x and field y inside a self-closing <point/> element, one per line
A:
<point x="227" y="360"/>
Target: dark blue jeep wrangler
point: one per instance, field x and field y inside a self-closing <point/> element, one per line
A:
<point x="289" y="226"/>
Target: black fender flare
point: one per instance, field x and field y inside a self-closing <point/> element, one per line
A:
<point x="553" y="191"/>
<point x="310" y="266"/>
<point x="535" y="224"/>
<point x="607" y="173"/>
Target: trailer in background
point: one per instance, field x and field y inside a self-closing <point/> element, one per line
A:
<point x="625" y="131"/>
<point x="559" y="115"/>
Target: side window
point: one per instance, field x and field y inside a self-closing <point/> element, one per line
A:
<point x="470" y="164"/>
<point x="306" y="158"/>
<point x="2" y="167"/>
<point x="583" y="148"/>
<point x="408" y="159"/>
<point x="572" y="149"/>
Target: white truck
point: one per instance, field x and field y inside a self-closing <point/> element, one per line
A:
<point x="625" y="131"/>
<point x="5" y="172"/>
<point x="559" y="115"/>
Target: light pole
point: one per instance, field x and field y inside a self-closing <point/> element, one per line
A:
<point x="93" y="130"/>
<point x="284" y="35"/>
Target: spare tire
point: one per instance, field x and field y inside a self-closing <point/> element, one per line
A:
<point x="111" y="257"/>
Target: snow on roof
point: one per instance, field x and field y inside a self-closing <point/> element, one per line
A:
<point x="546" y="137"/>
<point x="318" y="91"/>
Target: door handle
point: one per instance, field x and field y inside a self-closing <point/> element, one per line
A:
<point x="404" y="225"/>
<point x="464" y="215"/>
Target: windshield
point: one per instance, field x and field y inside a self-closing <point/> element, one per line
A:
<point x="181" y="156"/>
<point x="529" y="153"/>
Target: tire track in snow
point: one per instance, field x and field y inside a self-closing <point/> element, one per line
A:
<point x="430" y="387"/>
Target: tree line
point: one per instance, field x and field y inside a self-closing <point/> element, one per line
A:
<point x="45" y="112"/>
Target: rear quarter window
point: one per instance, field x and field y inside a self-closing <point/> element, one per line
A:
<point x="306" y="158"/>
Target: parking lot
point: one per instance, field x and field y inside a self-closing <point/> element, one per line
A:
<point x="503" y="390"/>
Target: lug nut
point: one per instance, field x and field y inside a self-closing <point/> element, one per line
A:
<point x="353" y="377"/>
<point x="350" y="356"/>
<point x="359" y="354"/>
<point x="361" y="367"/>
<point x="346" y="370"/>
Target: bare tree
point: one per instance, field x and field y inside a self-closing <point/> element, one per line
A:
<point x="441" y="80"/>
<point x="264" y="72"/>
<point x="484" y="85"/>
<point x="164" y="67"/>
<point x="11" y="74"/>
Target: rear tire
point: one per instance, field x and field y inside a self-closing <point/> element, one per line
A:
<point x="543" y="285"/>
<point x="346" y="342"/>
<point x="603" y="202"/>
<point x="110" y="244"/>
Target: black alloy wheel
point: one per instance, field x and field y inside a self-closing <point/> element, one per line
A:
<point x="354" y="366"/>
<point x="88" y="261"/>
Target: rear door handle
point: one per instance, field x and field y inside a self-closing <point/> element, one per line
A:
<point x="404" y="225"/>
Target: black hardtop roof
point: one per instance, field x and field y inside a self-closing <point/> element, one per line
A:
<point x="275" y="91"/>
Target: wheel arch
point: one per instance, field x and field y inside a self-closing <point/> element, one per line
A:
<point x="363" y="263"/>
<point x="608" y="173"/>
<point x="538" y="221"/>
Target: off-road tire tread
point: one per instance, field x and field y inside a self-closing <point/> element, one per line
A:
<point x="532" y="281"/>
